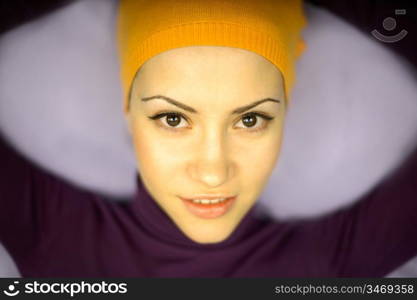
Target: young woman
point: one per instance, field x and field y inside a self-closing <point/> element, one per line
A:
<point x="207" y="86"/>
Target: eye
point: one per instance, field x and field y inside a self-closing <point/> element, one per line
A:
<point x="171" y="120"/>
<point x="253" y="121"/>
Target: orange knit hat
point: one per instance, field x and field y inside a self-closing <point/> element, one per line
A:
<point x="271" y="28"/>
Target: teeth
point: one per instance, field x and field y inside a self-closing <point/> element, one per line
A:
<point x="207" y="201"/>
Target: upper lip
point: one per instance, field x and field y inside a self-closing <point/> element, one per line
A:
<point x="209" y="197"/>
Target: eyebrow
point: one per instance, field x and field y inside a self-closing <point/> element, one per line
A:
<point x="190" y="109"/>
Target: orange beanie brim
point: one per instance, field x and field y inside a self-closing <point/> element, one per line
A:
<point x="271" y="28"/>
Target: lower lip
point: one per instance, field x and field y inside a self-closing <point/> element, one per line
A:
<point x="209" y="211"/>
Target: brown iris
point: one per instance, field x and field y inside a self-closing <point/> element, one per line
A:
<point x="249" y="120"/>
<point x="173" y="119"/>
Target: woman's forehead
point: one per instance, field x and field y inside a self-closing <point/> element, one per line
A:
<point x="193" y="58"/>
<point x="207" y="72"/>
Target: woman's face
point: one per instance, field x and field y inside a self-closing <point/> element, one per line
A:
<point x="206" y="123"/>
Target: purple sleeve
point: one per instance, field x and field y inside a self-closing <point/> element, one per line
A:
<point x="27" y="195"/>
<point x="378" y="233"/>
<point x="375" y="235"/>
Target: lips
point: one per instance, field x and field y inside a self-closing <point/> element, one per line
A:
<point x="207" y="210"/>
<point x="207" y="197"/>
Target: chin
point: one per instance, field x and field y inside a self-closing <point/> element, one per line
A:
<point x="211" y="240"/>
<point x="210" y="236"/>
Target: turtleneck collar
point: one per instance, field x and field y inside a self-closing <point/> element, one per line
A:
<point x="157" y="222"/>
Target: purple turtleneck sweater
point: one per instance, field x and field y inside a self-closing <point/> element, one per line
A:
<point x="54" y="229"/>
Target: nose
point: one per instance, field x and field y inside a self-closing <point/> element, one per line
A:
<point x="211" y="165"/>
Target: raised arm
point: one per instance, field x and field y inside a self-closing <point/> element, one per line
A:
<point x="24" y="187"/>
<point x="378" y="233"/>
<point x="374" y="236"/>
<point x="28" y="202"/>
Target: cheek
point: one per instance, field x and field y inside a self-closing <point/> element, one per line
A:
<point x="157" y="157"/>
<point x="257" y="159"/>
